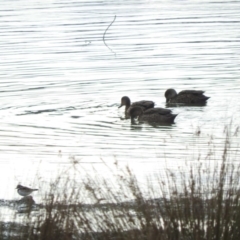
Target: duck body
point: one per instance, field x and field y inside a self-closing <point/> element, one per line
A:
<point x="144" y="104"/>
<point x="153" y="115"/>
<point x="186" y="96"/>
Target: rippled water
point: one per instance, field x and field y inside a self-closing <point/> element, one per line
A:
<point x="61" y="86"/>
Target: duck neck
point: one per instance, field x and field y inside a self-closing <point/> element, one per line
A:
<point x="127" y="106"/>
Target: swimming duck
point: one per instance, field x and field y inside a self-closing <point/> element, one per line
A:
<point x="152" y="115"/>
<point x="144" y="104"/>
<point x="185" y="96"/>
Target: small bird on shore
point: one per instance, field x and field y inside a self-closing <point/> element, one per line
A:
<point x="144" y="104"/>
<point x="24" y="191"/>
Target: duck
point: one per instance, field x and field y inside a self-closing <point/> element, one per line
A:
<point x="152" y="115"/>
<point x="144" y="104"/>
<point x="185" y="96"/>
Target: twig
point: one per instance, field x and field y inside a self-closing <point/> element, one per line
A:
<point x="105" y="34"/>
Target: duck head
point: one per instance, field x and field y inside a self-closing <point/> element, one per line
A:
<point x="135" y="112"/>
<point x="125" y="101"/>
<point x="169" y="94"/>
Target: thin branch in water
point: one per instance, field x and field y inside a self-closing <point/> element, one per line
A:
<point x="105" y="34"/>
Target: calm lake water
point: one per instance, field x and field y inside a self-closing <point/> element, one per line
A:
<point x="61" y="86"/>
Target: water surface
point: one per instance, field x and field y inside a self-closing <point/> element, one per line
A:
<point x="61" y="86"/>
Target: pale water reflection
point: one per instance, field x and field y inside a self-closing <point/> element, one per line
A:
<point x="61" y="86"/>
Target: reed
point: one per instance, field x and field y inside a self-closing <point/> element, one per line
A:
<point x="201" y="203"/>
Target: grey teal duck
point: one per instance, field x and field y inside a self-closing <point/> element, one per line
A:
<point x="144" y="104"/>
<point x="152" y="115"/>
<point x="185" y="96"/>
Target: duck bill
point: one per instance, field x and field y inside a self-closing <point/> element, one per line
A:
<point x="133" y="120"/>
<point x="120" y="106"/>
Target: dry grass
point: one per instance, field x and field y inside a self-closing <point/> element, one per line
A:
<point x="202" y="203"/>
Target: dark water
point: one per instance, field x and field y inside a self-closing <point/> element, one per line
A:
<point x="61" y="86"/>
